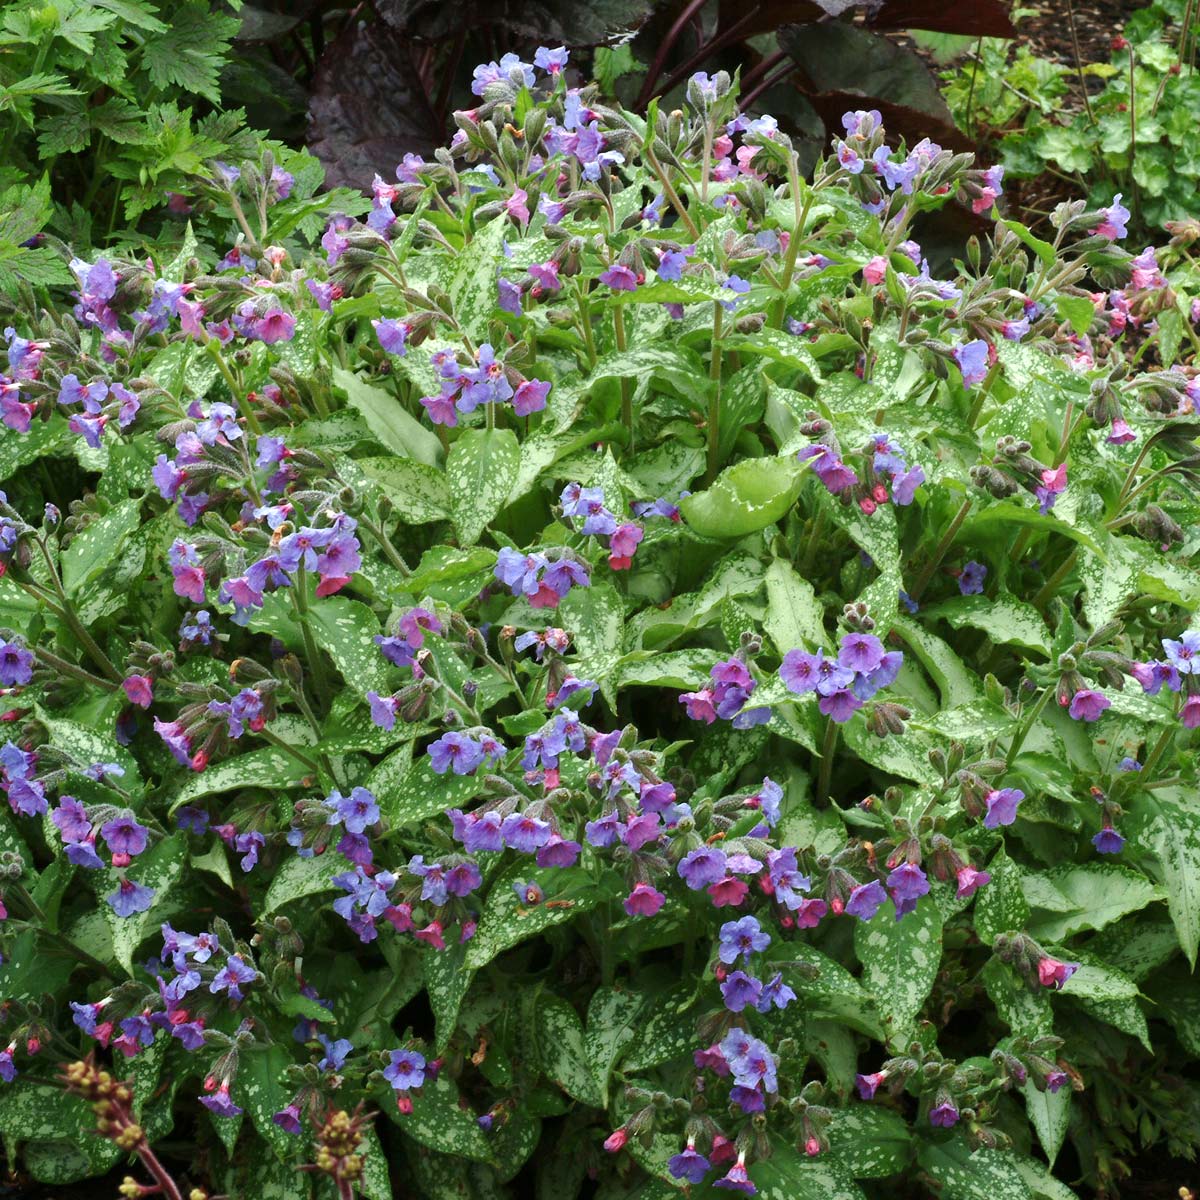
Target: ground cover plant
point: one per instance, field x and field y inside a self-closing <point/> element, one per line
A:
<point x="608" y="675"/>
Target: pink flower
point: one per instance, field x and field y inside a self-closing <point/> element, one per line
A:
<point x="644" y="901"/>
<point x="1053" y="974"/>
<point x="728" y="892"/>
<point x="139" y="689"/>
<point x="516" y="206"/>
<point x="1087" y="705"/>
<point x="876" y="270"/>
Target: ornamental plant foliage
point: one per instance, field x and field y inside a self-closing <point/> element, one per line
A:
<point x="609" y="675"/>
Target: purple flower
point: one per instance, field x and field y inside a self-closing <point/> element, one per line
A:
<point x="392" y="335"/>
<point x="124" y="835"/>
<point x="741" y="938"/>
<point x="335" y="1053"/>
<point x="524" y="832"/>
<point x="944" y="1113"/>
<point x="530" y="397"/>
<point x="839" y="706"/>
<point x="405" y="1070"/>
<point x="231" y="976"/>
<point x="1108" y="841"/>
<point x="908" y="884"/>
<point x="689" y="1164"/>
<point x="1087" y="705"/>
<point x="868" y="1085"/>
<point x="1002" y="806"/>
<point x="219" y="1103"/>
<point x="1184" y="654"/>
<point x="16" y="663"/>
<point x="775" y="993"/>
<point x="740" y="991"/>
<point x="860" y="652"/>
<point x="643" y="901"/>
<point x="620" y="278"/>
<point x="703" y="866"/>
<point x="737" y="1179"/>
<point x="866" y="900"/>
<point x="356" y="812"/>
<point x="130" y="898"/>
<point x="288" y="1119"/>
<point x="71" y="819"/>
<point x="552" y="60"/>
<point x="971" y="577"/>
<point x="1112" y="220"/>
<point x="972" y="359"/>
<point x="457" y="751"/>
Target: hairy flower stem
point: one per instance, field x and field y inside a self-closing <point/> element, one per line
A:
<point x="714" y="399"/>
<point x="626" y="385"/>
<point x="73" y="622"/>
<point x="825" y="770"/>
<point x="315" y="663"/>
<point x="1019" y="738"/>
<point x="393" y="555"/>
<point x="69" y="668"/>
<point x="800" y="207"/>
<point x="235" y="391"/>
<point x="981" y="396"/>
<point x="940" y="551"/>
<point x="671" y="194"/>
<point x="1051" y="585"/>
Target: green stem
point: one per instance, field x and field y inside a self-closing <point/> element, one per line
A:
<point x="75" y="672"/>
<point x="585" y="327"/>
<point x="825" y="770"/>
<point x="393" y="555"/>
<point x="671" y="194"/>
<point x="981" y="396"/>
<point x="1051" y="585"/>
<point x="214" y="349"/>
<point x="315" y="663"/>
<point x="940" y="552"/>
<point x="1019" y="740"/>
<point x="73" y="622"/>
<point x="800" y="208"/>
<point x="626" y="388"/>
<point x="714" y="398"/>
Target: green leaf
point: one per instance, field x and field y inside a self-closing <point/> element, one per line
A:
<point x="1000" y="906"/>
<point x="262" y="1091"/>
<point x="595" y="618"/>
<point x="158" y="868"/>
<point x="297" y="878"/>
<point x="1170" y="334"/>
<point x="900" y="960"/>
<point x="1173" y="836"/>
<point x="1050" y="1114"/>
<point x="871" y="1142"/>
<point x="794" y="615"/>
<point x="1005" y="619"/>
<point x="346" y="629"/>
<point x="788" y="1175"/>
<point x="97" y="545"/>
<point x="505" y="921"/>
<point x="388" y="419"/>
<point x="750" y="495"/>
<point x="1023" y="1007"/>
<point x="668" y="1033"/>
<point x="612" y="1023"/>
<point x="419" y="792"/>
<point x="439" y="1122"/>
<point x="963" y="1175"/>
<point x="779" y="346"/>
<point x="676" y="367"/>
<point x="1089" y="896"/>
<point x="446" y="981"/>
<point x="1046" y="254"/>
<point x="474" y="287"/>
<point x="418" y="492"/>
<point x="480" y="472"/>
<point x="266" y="768"/>
<point x="957" y="685"/>
<point x="561" y="1053"/>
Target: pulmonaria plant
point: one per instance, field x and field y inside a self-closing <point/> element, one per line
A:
<point x="590" y="671"/>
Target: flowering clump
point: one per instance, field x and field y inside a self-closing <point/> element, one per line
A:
<point x="618" y="628"/>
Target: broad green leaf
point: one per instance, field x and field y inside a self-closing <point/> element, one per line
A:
<point x="97" y="545"/>
<point x="957" y="685"/>
<point x="262" y="1091"/>
<point x="158" y="868"/>
<point x="900" y="960"/>
<point x="297" y="878"/>
<point x="1000" y="905"/>
<point x="871" y="1142"/>
<point x="439" y="1122"/>
<point x="963" y="1175"/>
<point x="57" y="1127"/>
<point x="748" y="496"/>
<point x="782" y="347"/>
<point x="1023" y="1007"/>
<point x="420" y="792"/>
<point x="480" y="472"/>
<point x="794" y="615"/>
<point x="1079" y="311"/>
<point x="1043" y="250"/>
<point x="1049" y="1113"/>
<point x="474" y="286"/>
<point x="1173" y="836"/>
<point x="446" y="981"/>
<point x="877" y="537"/>
<point x="1093" y="895"/>
<point x="1005" y="619"/>
<point x="265" y="768"/>
<point x="1041" y="1183"/>
<point x="388" y="419"/>
<point x="87" y="746"/>
<point x="675" y="367"/>
<point x="506" y="921"/>
<point x="668" y="1033"/>
<point x="613" y="1021"/>
<point x="683" y="669"/>
<point x="562" y="1055"/>
<point x="595" y="618"/>
<point x="346" y="629"/>
<point x="18" y="450"/>
<point x="418" y="492"/>
<point x="790" y="1175"/>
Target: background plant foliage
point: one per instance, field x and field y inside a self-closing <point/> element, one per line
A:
<point x="426" y="647"/>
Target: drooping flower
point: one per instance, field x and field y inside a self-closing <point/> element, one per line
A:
<point x="1002" y="806"/>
